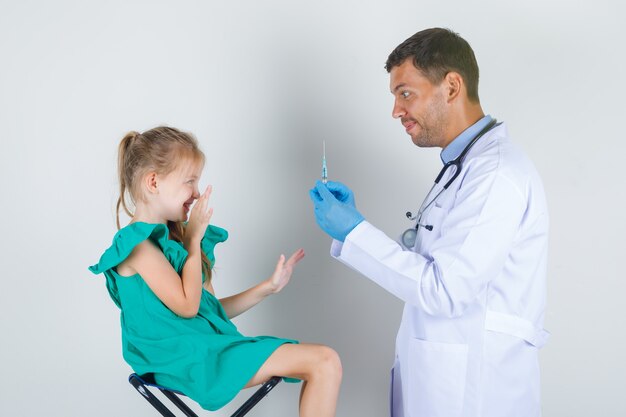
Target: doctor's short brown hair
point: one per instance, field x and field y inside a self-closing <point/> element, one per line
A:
<point x="435" y="53"/>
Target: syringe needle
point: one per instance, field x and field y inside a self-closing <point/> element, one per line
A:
<point x="324" y="170"/>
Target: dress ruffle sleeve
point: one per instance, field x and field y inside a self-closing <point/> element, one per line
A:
<point x="126" y="239"/>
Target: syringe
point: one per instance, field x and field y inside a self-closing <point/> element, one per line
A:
<point x="324" y="170"/>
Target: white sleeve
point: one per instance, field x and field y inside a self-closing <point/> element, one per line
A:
<point x="476" y="237"/>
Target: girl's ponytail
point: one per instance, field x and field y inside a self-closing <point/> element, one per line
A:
<point x="122" y="164"/>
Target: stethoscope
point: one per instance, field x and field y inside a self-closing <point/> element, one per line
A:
<point x="410" y="235"/>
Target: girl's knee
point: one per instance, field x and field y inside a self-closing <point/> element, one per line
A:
<point x="329" y="363"/>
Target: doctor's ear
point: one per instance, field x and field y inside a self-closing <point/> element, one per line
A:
<point x="453" y="84"/>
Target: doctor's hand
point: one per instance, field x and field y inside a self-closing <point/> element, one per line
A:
<point x="341" y="192"/>
<point x="335" y="211"/>
<point x="283" y="271"/>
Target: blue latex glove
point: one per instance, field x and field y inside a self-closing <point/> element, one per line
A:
<point x="335" y="212"/>
<point x="341" y="192"/>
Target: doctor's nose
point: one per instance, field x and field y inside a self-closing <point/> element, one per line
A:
<point x="397" y="111"/>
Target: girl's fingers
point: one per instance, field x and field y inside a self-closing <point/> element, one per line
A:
<point x="205" y="198"/>
<point x="280" y="263"/>
<point x="207" y="193"/>
<point x="296" y="257"/>
<point x="200" y="206"/>
<point x="204" y="211"/>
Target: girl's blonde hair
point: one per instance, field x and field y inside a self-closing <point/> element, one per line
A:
<point x="159" y="150"/>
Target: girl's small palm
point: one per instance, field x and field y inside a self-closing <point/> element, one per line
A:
<point x="283" y="271"/>
<point x="200" y="216"/>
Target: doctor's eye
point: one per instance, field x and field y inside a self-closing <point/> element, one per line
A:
<point x="405" y="94"/>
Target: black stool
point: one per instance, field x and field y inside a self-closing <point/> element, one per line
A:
<point x="141" y="384"/>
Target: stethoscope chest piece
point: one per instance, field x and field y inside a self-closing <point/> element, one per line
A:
<point x="409" y="237"/>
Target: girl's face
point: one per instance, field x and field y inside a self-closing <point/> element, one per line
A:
<point x="178" y="190"/>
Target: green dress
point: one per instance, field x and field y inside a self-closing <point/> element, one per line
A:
<point x="205" y="357"/>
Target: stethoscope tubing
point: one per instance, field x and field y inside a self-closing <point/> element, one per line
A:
<point x="458" y="165"/>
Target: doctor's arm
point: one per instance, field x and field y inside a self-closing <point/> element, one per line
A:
<point x="476" y="236"/>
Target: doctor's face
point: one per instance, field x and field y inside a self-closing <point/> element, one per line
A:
<point x="419" y="104"/>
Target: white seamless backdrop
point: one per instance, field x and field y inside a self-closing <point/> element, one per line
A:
<point x="261" y="84"/>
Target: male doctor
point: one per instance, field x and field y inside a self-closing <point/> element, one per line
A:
<point x="472" y="272"/>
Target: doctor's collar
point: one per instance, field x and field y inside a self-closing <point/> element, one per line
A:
<point x="459" y="143"/>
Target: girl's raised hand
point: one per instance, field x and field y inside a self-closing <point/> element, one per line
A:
<point x="199" y="217"/>
<point x="283" y="271"/>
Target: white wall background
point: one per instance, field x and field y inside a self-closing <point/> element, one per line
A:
<point x="261" y="84"/>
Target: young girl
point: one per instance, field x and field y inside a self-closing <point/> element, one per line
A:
<point x="158" y="272"/>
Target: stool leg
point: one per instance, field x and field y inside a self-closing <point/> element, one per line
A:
<point x="256" y="397"/>
<point x="149" y="396"/>
<point x="179" y="403"/>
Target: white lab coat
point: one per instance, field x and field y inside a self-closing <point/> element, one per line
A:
<point x="474" y="288"/>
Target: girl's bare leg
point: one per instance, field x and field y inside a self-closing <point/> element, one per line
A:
<point x="317" y="365"/>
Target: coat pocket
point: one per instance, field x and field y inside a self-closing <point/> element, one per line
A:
<point x="437" y="374"/>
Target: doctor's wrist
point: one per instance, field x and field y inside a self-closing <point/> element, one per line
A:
<point x="349" y="230"/>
